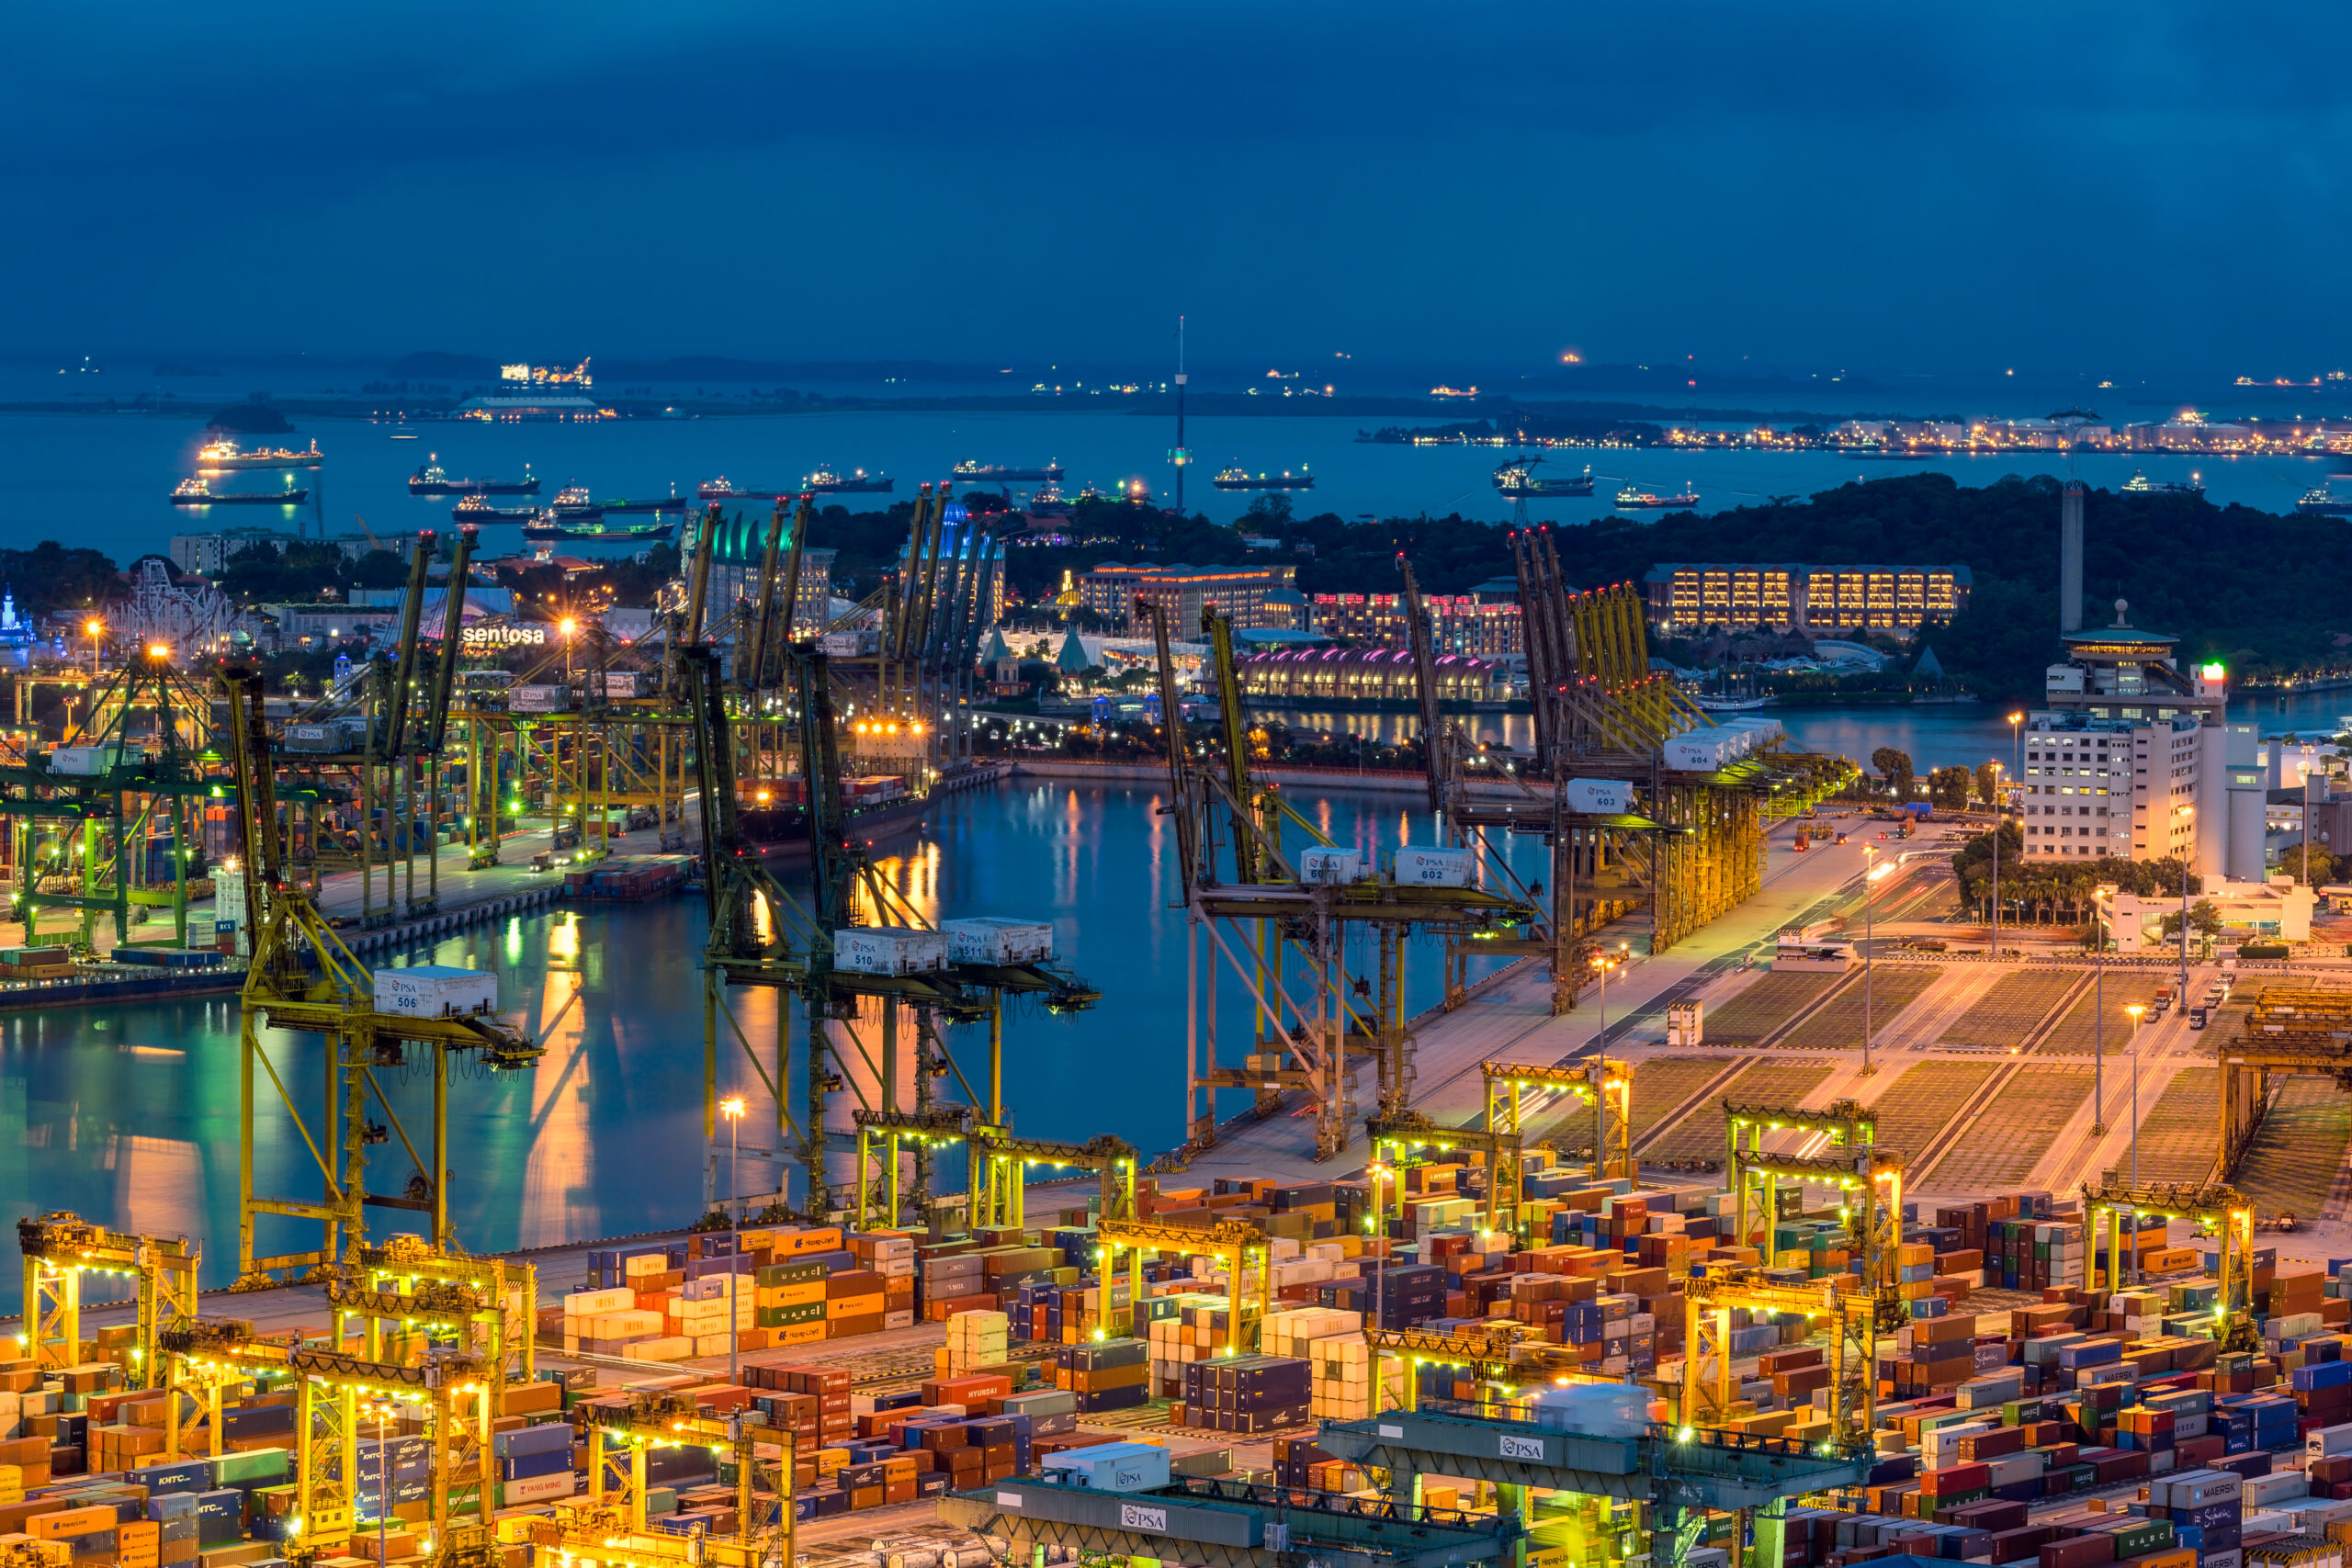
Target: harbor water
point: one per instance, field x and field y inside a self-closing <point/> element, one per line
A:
<point x="130" y="1114"/>
<point x="104" y="480"/>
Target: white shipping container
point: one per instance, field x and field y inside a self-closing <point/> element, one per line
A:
<point x="228" y="899"/>
<point x="1330" y="868"/>
<point x="841" y="645"/>
<point x="1600" y="798"/>
<point x="435" y="991"/>
<point x="991" y="939"/>
<point x="1702" y="751"/>
<point x="620" y="682"/>
<point x="1434" y="868"/>
<point x="535" y="699"/>
<point x="1685" y="1023"/>
<point x="84" y="759"/>
<point x="889" y="950"/>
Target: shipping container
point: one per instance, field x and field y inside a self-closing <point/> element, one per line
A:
<point x="435" y="991"/>
<point x="889" y="950"/>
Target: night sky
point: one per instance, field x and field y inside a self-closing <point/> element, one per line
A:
<point x="2127" y="189"/>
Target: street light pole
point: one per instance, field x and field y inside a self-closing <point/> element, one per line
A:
<point x="732" y="1109"/>
<point x="2098" y="1025"/>
<point x="2135" y="1009"/>
<point x="1869" y="854"/>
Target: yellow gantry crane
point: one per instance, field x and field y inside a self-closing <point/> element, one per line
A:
<point x="2289" y="1030"/>
<point x="1843" y="1124"/>
<point x="1244" y="1250"/>
<point x="303" y="980"/>
<point x="61" y="1248"/>
<point x="613" y="1510"/>
<point x="342" y="1396"/>
<point x="1859" y="1312"/>
<point x="2221" y="1209"/>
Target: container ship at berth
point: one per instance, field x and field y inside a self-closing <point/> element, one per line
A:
<point x="430" y="478"/>
<point x="775" y="815"/>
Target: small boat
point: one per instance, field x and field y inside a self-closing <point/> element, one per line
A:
<point x="218" y="457"/>
<point x="551" y="527"/>
<point x="476" y="509"/>
<point x="574" y="505"/>
<point x="1718" y="704"/>
<point x="826" y="482"/>
<point x="195" y="492"/>
<point x="1632" y="499"/>
<point x="402" y="435"/>
<point x="2140" y="484"/>
<point x="721" y="489"/>
<point x="1238" y="478"/>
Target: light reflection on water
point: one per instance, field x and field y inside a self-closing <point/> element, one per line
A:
<point x="129" y="1115"/>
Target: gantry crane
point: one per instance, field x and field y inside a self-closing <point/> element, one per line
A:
<point x="997" y="1163"/>
<point x="1285" y="925"/>
<point x="2290" y="1031"/>
<point x="341" y="1397"/>
<point x="1842" y="1123"/>
<point x="2220" y="1208"/>
<point x="1403" y="1139"/>
<point x="617" y="1442"/>
<point x="61" y="1248"/>
<point x="1245" y="1251"/>
<point x="1859" y="1313"/>
<point x="87" y="825"/>
<point x="1596" y="1081"/>
<point x="763" y="936"/>
<point x="303" y="980"/>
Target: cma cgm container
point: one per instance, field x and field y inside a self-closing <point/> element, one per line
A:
<point x="991" y="939"/>
<point x="435" y="991"/>
<point x="889" y="950"/>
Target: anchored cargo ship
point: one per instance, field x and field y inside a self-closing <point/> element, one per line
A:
<point x="721" y="489"/>
<point x="554" y="525"/>
<point x="1632" y="499"/>
<point x="430" y="478"/>
<point x="672" y="502"/>
<point x="574" y="505"/>
<point x="195" y="492"/>
<point x="1517" y="478"/>
<point x="476" y="509"/>
<point x="2333" y="499"/>
<point x="998" y="473"/>
<point x="215" y="457"/>
<point x="826" y="482"/>
<point x="1238" y="478"/>
<point x="2140" y="484"/>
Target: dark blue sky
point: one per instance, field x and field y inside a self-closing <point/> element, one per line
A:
<point x="2125" y="189"/>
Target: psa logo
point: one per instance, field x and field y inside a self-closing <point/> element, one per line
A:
<point x="1522" y="1448"/>
<point x="1134" y="1517"/>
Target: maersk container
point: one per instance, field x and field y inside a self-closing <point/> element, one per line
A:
<point x="889" y="950"/>
<point x="435" y="991"/>
<point x="1434" y="868"/>
<point x="1330" y="868"/>
<point x="992" y="939"/>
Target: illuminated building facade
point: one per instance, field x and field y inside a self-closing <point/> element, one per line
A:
<point x="1688" y="597"/>
<point x="1459" y="623"/>
<point x="1367" y="677"/>
<point x="1255" y="597"/>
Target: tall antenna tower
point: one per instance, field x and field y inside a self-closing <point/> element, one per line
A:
<point x="1176" y="454"/>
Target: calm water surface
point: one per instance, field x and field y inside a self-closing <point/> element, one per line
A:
<point x="130" y="1114"/>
